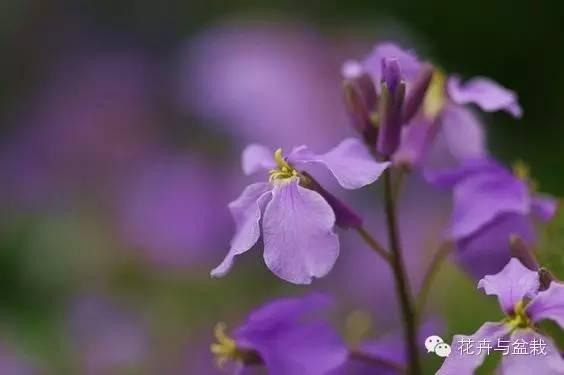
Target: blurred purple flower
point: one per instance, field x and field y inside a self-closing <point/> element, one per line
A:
<point x="489" y="205"/>
<point x="286" y="337"/>
<point x="107" y="337"/>
<point x="88" y="121"/>
<point x="297" y="223"/>
<point x="270" y="85"/>
<point x="517" y="290"/>
<point x="172" y="208"/>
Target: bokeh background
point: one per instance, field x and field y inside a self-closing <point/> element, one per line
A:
<point x="121" y="126"/>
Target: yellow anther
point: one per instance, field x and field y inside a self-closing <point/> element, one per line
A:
<point x="283" y="170"/>
<point x="225" y="348"/>
<point x="523" y="172"/>
<point x="436" y="96"/>
<point x="519" y="318"/>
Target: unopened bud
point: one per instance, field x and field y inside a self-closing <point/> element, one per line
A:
<point x="360" y="101"/>
<point x="417" y="92"/>
<point x="390" y="107"/>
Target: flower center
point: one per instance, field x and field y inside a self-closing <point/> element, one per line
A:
<point x="226" y="348"/>
<point x="519" y="318"/>
<point x="283" y="171"/>
<point x="436" y="96"/>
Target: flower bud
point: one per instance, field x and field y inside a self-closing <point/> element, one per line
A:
<point x="417" y="92"/>
<point x="390" y="107"/>
<point x="360" y="101"/>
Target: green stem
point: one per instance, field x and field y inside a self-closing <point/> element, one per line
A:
<point x="438" y="259"/>
<point x="401" y="281"/>
<point x="374" y="245"/>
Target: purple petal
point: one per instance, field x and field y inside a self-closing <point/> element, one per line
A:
<point x="447" y="178"/>
<point x="544" y="207"/>
<point x="460" y="362"/>
<point x="492" y="243"/>
<point x="549" y="364"/>
<point x="487" y="94"/>
<point x="313" y="348"/>
<point x="464" y="134"/>
<point x="350" y="162"/>
<point x="281" y="313"/>
<point x="511" y="284"/>
<point x="246" y="211"/>
<point x="416" y="139"/>
<point x="548" y="304"/>
<point x="481" y="197"/>
<point x="256" y="157"/>
<point x="289" y="342"/>
<point x="299" y="242"/>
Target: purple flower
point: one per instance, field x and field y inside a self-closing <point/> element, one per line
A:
<point x="286" y="337"/>
<point x="517" y="290"/>
<point x="489" y="205"/>
<point x="14" y="364"/>
<point x="276" y="84"/>
<point x="435" y="106"/>
<point x="297" y="223"/>
<point x="171" y="209"/>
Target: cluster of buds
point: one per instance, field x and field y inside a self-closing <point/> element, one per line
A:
<point x="379" y="112"/>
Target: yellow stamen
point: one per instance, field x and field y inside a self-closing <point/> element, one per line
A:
<point x="284" y="170"/>
<point x="436" y="96"/>
<point x="523" y="172"/>
<point x="226" y="348"/>
<point x="519" y="318"/>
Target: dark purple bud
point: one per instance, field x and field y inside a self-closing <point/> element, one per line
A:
<point x="521" y="251"/>
<point x="345" y="217"/>
<point x="545" y="278"/>
<point x="391" y="73"/>
<point x="390" y="111"/>
<point x="417" y="92"/>
<point x="360" y="101"/>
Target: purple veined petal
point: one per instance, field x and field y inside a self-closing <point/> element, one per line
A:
<point x="544" y="207"/>
<point x="548" y="304"/>
<point x="488" y="95"/>
<point x="464" y="134"/>
<point x="550" y="363"/>
<point x="513" y="283"/>
<point x="350" y="162"/>
<point x="256" y="157"/>
<point x="460" y="361"/>
<point x="246" y="211"/>
<point x="299" y="241"/>
<point x="480" y="198"/>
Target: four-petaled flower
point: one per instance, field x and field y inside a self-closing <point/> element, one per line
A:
<point x="297" y="223"/>
<point x="490" y="204"/>
<point x="286" y="337"/>
<point x="517" y="290"/>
